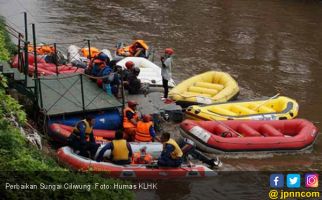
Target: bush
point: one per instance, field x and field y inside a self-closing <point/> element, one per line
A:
<point x="7" y="48"/>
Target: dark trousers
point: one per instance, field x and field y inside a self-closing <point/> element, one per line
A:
<point x="168" y="162"/>
<point x="84" y="148"/>
<point x="166" y="87"/>
<point x="191" y="150"/>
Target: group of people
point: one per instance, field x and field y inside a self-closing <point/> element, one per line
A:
<point x="134" y="128"/>
<point x="82" y="139"/>
<point x="109" y="74"/>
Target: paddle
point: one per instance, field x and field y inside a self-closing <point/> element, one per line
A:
<point x="266" y="101"/>
<point x="219" y="122"/>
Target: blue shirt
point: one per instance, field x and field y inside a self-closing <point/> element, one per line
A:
<point x="82" y="127"/>
<point x="166" y="153"/>
<point x="152" y="132"/>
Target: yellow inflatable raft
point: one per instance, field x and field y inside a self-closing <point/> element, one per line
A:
<point x="269" y="109"/>
<point x="207" y="88"/>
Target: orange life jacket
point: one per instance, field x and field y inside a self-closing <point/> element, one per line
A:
<point x="94" y="52"/>
<point x="131" y="48"/>
<point x="126" y="122"/>
<point x="142" y="133"/>
<point x="42" y="50"/>
<point x="138" y="159"/>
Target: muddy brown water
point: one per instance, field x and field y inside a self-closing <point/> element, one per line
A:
<point x="269" y="46"/>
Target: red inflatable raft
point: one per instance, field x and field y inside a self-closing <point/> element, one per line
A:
<point x="46" y="69"/>
<point x="137" y="171"/>
<point x="250" y="135"/>
<point x="61" y="132"/>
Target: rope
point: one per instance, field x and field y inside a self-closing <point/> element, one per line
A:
<point x="74" y="42"/>
<point x="57" y="78"/>
<point x="267" y="101"/>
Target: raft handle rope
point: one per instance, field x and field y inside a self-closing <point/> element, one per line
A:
<point x="260" y="105"/>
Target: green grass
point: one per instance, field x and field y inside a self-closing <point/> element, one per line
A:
<point x="22" y="163"/>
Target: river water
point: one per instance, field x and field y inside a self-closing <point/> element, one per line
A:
<point x="269" y="46"/>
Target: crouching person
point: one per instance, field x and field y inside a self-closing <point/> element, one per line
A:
<point x="171" y="155"/>
<point x="82" y="138"/>
<point x="121" y="152"/>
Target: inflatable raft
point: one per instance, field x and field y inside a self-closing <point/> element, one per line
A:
<point x="108" y="120"/>
<point x="207" y="88"/>
<point x="60" y="133"/>
<point x="45" y="69"/>
<point x="149" y="72"/>
<point x="270" y="109"/>
<point x="250" y="135"/>
<point x="137" y="171"/>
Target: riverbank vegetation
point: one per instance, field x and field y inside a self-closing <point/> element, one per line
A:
<point x="22" y="163"/>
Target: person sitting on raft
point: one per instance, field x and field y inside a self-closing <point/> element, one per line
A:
<point x="111" y="82"/>
<point x="171" y="155"/>
<point x="131" y="81"/>
<point x="145" y="130"/>
<point x="97" y="64"/>
<point x="121" y="151"/>
<point x="137" y="49"/>
<point x="82" y="138"/>
<point x="130" y="120"/>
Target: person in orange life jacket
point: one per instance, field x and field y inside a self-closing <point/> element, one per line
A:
<point x="101" y="61"/>
<point x="82" y="138"/>
<point x="130" y="120"/>
<point x="121" y="151"/>
<point x="166" y="61"/>
<point x="171" y="155"/>
<point x="136" y="50"/>
<point x="142" y="157"/>
<point x="145" y="131"/>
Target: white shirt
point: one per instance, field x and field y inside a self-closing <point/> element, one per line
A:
<point x="166" y="71"/>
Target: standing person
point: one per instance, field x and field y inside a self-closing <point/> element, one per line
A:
<point x="121" y="151"/>
<point x="82" y="138"/>
<point x="171" y="155"/>
<point x="130" y="119"/>
<point x="166" y="61"/>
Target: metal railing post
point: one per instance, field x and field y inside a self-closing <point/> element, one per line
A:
<point x="82" y="92"/>
<point x="56" y="59"/>
<point x="37" y="81"/>
<point x="89" y="49"/>
<point x="26" y="66"/>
